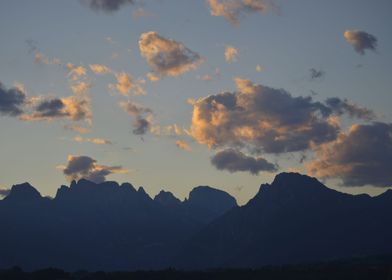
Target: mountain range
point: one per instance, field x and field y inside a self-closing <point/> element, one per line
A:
<point x="107" y="226"/>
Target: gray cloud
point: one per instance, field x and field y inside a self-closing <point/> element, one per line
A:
<point x="11" y="101"/>
<point x="363" y="156"/>
<point x="257" y="119"/>
<point x="107" y="6"/>
<point x="75" y="108"/>
<point x="134" y="109"/>
<point x="341" y="107"/>
<point x="316" y="74"/>
<point x="51" y="108"/>
<point x="361" y="40"/>
<point x="142" y="116"/>
<point x="167" y="57"/>
<point x="233" y="161"/>
<point x="79" y="167"/>
<point x="141" y="126"/>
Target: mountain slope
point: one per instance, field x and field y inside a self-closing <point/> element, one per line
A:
<point x="296" y="219"/>
<point x="107" y="226"/>
<point x="95" y="227"/>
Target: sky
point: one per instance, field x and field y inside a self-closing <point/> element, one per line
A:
<point x="175" y="94"/>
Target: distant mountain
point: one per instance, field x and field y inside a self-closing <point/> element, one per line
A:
<point x="107" y="226"/>
<point x="296" y="219"/>
<point x="101" y="226"/>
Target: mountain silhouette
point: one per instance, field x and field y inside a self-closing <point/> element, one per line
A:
<point x="103" y="226"/>
<point x="107" y="226"/>
<point x="296" y="219"/>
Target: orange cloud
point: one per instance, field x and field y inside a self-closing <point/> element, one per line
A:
<point x="126" y="84"/>
<point x="97" y="141"/>
<point x="232" y="10"/>
<point x="231" y="54"/>
<point x="167" y="57"/>
<point x="183" y="145"/>
<point x="100" y="69"/>
<point x="49" y="108"/>
<point x="265" y="119"/>
<point x="76" y="128"/>
<point x="81" y="87"/>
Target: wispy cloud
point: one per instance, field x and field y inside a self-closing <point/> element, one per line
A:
<point x="231" y="54"/>
<point x="316" y="74"/>
<point x="100" y="69"/>
<point x="107" y="6"/>
<point x="126" y="84"/>
<point x="183" y="145"/>
<point x="167" y="57"/>
<point x="233" y="10"/>
<point x="96" y="141"/>
<point x="142" y="116"/>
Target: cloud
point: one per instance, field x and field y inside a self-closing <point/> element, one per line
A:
<point x="264" y="119"/>
<point x="168" y="130"/>
<point x="14" y="102"/>
<point x="153" y="77"/>
<point x="140" y="12"/>
<point x="81" y="87"/>
<point x="107" y="6"/>
<point x="210" y="77"/>
<point x="97" y="141"/>
<point x="40" y="58"/>
<point x="231" y="54"/>
<point x="76" y="128"/>
<point x="49" y="108"/>
<point x="167" y="57"/>
<point x="206" y="77"/>
<point x="340" y="107"/>
<point x="99" y="69"/>
<point x="11" y="101"/>
<point x="234" y="160"/>
<point x="126" y="84"/>
<point x="361" y="41"/>
<point x="183" y="145"/>
<point x="141" y="126"/>
<point x="316" y="74"/>
<point x="142" y="116"/>
<point x="360" y="157"/>
<point x="79" y="167"/>
<point x="173" y="129"/>
<point x="134" y="109"/>
<point x="232" y="10"/>
<point x="76" y="72"/>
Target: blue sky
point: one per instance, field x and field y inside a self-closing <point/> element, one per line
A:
<point x="286" y="42"/>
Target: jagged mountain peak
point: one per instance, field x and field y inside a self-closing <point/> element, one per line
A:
<point x="128" y="186"/>
<point x="23" y="192"/>
<point x="167" y="199"/>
